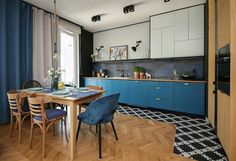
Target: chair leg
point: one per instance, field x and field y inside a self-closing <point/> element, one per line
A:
<point x="96" y="128"/>
<point x="11" y="125"/>
<point x="31" y="134"/>
<point x="100" y="141"/>
<point x="77" y="133"/>
<point x="16" y="123"/>
<point x="20" y="125"/>
<point x="65" y="129"/>
<point x="44" y="138"/>
<point x="53" y="129"/>
<point x="113" y="127"/>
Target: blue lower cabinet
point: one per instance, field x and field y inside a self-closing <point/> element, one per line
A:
<point x="189" y="98"/>
<point x="175" y="96"/>
<point x="137" y="93"/>
<point x="104" y="84"/>
<point x="90" y="82"/>
<point x="120" y="86"/>
<point x="160" y="95"/>
<point x="165" y="103"/>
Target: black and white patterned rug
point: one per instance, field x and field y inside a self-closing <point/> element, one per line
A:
<point x="195" y="138"/>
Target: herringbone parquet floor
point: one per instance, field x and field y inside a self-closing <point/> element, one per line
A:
<point x="139" y="140"/>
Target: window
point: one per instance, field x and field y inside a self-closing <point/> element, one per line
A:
<point x="69" y="60"/>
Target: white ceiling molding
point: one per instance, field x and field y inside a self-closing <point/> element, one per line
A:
<point x="111" y="11"/>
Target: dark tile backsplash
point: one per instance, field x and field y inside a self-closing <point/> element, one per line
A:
<point x="158" y="68"/>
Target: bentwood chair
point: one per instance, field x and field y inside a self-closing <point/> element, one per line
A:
<point x="84" y="105"/>
<point x="31" y="84"/>
<point x="18" y="111"/>
<point x="44" y="118"/>
<point x="99" y="112"/>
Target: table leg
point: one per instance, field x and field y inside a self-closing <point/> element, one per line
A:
<point x="73" y="113"/>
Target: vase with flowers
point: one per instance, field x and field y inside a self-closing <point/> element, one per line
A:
<point x="55" y="75"/>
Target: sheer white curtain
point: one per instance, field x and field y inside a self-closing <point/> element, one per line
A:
<point x="42" y="44"/>
<point x="69" y="29"/>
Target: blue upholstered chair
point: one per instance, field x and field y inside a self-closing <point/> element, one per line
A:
<point x="99" y="112"/>
<point x="44" y="118"/>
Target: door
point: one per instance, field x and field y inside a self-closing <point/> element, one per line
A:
<point x="69" y="59"/>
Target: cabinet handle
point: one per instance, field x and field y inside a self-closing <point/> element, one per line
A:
<point x="158" y="88"/>
<point x="186" y="84"/>
<point x="158" y="99"/>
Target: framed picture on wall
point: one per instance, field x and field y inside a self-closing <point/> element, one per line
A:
<point x="118" y="52"/>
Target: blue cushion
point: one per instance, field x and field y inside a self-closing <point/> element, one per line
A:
<point x="52" y="114"/>
<point x="100" y="110"/>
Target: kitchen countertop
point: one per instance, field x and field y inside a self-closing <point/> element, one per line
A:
<point x="154" y="79"/>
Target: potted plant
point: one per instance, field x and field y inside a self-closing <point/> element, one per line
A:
<point x="136" y="72"/>
<point x="142" y="72"/>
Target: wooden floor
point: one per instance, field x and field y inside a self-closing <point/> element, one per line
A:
<point x="139" y="140"/>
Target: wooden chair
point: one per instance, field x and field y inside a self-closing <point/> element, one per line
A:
<point x="44" y="118"/>
<point x="16" y="100"/>
<point x="84" y="105"/>
<point x="31" y="84"/>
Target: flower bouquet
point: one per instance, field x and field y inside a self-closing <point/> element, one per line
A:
<point x="55" y="77"/>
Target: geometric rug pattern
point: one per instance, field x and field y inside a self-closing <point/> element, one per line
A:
<point x="195" y="138"/>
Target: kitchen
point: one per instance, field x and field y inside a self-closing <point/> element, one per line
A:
<point x="172" y="63"/>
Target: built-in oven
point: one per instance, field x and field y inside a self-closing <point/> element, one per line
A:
<point x="223" y="69"/>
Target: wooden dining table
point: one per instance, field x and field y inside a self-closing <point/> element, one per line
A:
<point x="72" y="99"/>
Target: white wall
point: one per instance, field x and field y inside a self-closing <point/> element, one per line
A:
<point x="124" y="36"/>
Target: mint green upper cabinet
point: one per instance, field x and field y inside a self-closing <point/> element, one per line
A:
<point x="196" y="22"/>
<point x="162" y="21"/>
<point x="156" y="43"/>
<point x="168" y="42"/>
<point x="162" y="36"/>
<point x="194" y="47"/>
<point x="178" y="34"/>
<point x="181" y="25"/>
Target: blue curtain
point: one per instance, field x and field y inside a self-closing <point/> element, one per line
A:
<point x="15" y="49"/>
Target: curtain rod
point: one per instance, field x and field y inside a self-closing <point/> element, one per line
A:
<point x="52" y="14"/>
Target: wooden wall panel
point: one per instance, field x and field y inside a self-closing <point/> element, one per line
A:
<point x="232" y="155"/>
<point x="223" y="120"/>
<point x="211" y="62"/>
<point x="223" y="23"/>
<point x="223" y="101"/>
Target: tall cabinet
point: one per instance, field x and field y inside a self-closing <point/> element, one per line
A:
<point x="178" y="34"/>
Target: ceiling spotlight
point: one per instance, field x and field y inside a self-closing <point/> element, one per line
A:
<point x="128" y="9"/>
<point x="166" y="0"/>
<point x="96" y="18"/>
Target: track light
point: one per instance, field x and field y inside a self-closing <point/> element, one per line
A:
<point x="166" y="0"/>
<point x="96" y="18"/>
<point x="128" y="9"/>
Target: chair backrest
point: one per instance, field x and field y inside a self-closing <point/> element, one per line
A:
<point x="102" y="109"/>
<point x="14" y="101"/>
<point x="36" y="104"/>
<point x="31" y="84"/>
<point x="95" y="87"/>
